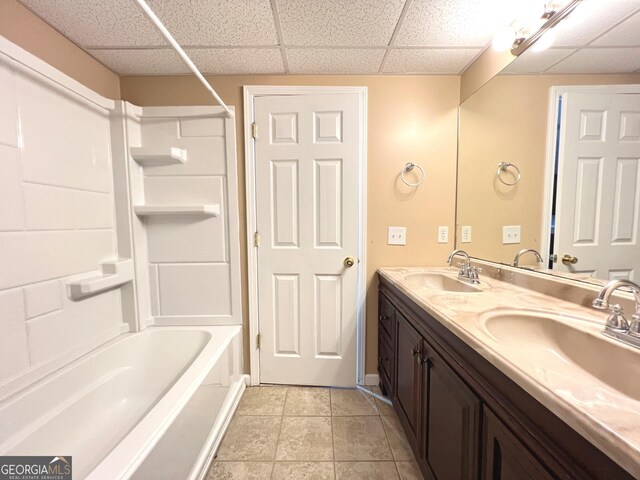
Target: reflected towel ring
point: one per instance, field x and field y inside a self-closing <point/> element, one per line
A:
<point x="407" y="168"/>
<point x="502" y="167"/>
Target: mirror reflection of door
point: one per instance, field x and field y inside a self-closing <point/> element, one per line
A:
<point x="595" y="230"/>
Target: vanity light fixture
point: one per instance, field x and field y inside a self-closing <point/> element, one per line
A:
<point x="537" y="29"/>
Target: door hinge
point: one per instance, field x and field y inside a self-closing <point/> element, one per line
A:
<point x="254" y="130"/>
<point x="258" y="341"/>
<point x="256" y="239"/>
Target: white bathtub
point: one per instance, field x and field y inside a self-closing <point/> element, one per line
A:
<point x="121" y="411"/>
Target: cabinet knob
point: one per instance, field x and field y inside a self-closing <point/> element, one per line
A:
<point x="415" y="351"/>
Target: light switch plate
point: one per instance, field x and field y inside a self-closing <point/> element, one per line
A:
<point x="465" y="234"/>
<point x="443" y="234"/>
<point x="510" y="234"/>
<point x="397" y="236"/>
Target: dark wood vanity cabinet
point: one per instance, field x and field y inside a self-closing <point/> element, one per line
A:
<point x="407" y="378"/>
<point x="451" y="423"/>
<point x="504" y="456"/>
<point x="466" y="420"/>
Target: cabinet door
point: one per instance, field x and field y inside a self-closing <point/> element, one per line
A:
<point x="408" y="353"/>
<point x="504" y="457"/>
<point x="452" y="423"/>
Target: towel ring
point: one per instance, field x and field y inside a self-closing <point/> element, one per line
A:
<point x="407" y="168"/>
<point x="502" y="167"/>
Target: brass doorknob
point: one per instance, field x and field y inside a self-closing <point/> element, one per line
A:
<point x="569" y="260"/>
<point x="349" y="262"/>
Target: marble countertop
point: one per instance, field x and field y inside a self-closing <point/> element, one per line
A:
<point x="608" y="417"/>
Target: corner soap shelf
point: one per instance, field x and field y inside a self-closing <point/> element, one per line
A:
<point x="149" y="157"/>
<point x="212" y="210"/>
<point x="113" y="273"/>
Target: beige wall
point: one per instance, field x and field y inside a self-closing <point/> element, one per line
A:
<point x="411" y="118"/>
<point x="26" y="30"/>
<point x="506" y="121"/>
<point x="489" y="64"/>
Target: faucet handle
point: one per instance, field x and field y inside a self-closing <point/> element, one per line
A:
<point x="634" y="328"/>
<point x="616" y="322"/>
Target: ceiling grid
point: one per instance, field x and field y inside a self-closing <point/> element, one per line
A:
<point x="395" y="37"/>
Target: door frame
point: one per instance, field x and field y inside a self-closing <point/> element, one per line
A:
<point x="552" y="138"/>
<point x="250" y="93"/>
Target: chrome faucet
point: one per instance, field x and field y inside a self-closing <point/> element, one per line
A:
<point x="617" y="325"/>
<point x="467" y="273"/>
<point x="527" y="250"/>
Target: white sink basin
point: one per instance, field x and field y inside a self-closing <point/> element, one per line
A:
<point x="439" y="281"/>
<point x="559" y="344"/>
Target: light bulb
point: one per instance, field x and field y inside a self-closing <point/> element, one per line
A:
<point x="503" y="39"/>
<point x="544" y="42"/>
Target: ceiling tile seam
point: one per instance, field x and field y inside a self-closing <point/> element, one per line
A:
<point x="395" y="74"/>
<point x="186" y="47"/>
<point x="637" y="11"/>
<point x="392" y="40"/>
<point x="570" y="54"/>
<point x="294" y="47"/>
<point x="276" y="19"/>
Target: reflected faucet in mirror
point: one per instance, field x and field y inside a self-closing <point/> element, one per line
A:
<point x="516" y="260"/>
<point x="617" y="325"/>
<point x="467" y="273"/>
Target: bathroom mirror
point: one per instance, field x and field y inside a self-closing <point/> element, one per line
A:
<point x="564" y="124"/>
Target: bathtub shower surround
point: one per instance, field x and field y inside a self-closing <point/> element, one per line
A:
<point x="120" y="315"/>
<point x="183" y="202"/>
<point x="56" y="217"/>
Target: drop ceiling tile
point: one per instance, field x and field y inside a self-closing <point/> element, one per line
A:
<point x="339" y="61"/>
<point x="590" y="19"/>
<point x="339" y="22"/>
<point x="211" y="23"/>
<point x="624" y="35"/>
<point x="113" y="23"/>
<point x="600" y="60"/>
<point x="536" y="62"/>
<point x="469" y="23"/>
<point x="429" y="60"/>
<point x="142" y="61"/>
<point x="221" y="61"/>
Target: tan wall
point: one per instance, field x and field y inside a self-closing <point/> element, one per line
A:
<point x="489" y="64"/>
<point x="411" y="118"/>
<point x="28" y="31"/>
<point x="506" y="121"/>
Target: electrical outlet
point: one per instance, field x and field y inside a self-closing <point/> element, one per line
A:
<point x="510" y="234"/>
<point x="465" y="234"/>
<point x="443" y="234"/>
<point x="397" y="236"/>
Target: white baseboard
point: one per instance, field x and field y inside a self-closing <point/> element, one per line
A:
<point x="371" y="379"/>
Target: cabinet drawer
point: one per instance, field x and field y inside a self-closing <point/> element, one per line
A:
<point x="386" y="318"/>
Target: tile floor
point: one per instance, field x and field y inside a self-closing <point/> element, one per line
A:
<point x="292" y="433"/>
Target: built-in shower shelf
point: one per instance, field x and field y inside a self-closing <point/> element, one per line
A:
<point x="113" y="273"/>
<point x="150" y="157"/>
<point x="212" y="210"/>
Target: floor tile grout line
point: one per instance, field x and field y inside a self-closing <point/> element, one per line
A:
<point x="275" y="454"/>
<point x="386" y="436"/>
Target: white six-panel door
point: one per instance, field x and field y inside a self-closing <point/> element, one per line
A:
<point x="599" y="185"/>
<point x="307" y="155"/>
